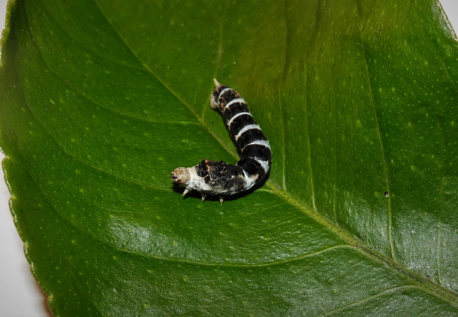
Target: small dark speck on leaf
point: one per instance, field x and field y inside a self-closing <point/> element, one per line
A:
<point x="387" y="194"/>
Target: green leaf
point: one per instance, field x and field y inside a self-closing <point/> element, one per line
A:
<point x="102" y="99"/>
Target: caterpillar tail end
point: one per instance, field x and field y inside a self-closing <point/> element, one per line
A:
<point x="217" y="84"/>
<point x="214" y="96"/>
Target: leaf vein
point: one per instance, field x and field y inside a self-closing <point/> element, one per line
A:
<point x="364" y="300"/>
<point x="282" y="119"/>
<point x="371" y="94"/>
<point x="166" y="86"/>
<point x="219" y="54"/>
<point x="80" y="45"/>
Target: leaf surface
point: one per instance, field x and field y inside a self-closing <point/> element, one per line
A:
<point x="101" y="100"/>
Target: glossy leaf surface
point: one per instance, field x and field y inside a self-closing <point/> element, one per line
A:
<point x="100" y="100"/>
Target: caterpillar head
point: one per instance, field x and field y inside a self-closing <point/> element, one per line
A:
<point x="180" y="175"/>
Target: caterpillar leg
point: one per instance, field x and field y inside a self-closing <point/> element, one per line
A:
<point x="185" y="192"/>
<point x="203" y="197"/>
<point x="221" y="199"/>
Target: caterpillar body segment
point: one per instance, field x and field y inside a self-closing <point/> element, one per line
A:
<point x="218" y="177"/>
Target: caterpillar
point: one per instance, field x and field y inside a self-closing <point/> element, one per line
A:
<point x="222" y="179"/>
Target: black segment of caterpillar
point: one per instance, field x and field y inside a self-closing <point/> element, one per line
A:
<point x="222" y="179"/>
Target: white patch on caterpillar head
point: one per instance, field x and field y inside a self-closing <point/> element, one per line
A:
<point x="180" y="175"/>
<point x="246" y="128"/>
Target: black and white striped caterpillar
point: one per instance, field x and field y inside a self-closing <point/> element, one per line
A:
<point x="222" y="179"/>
